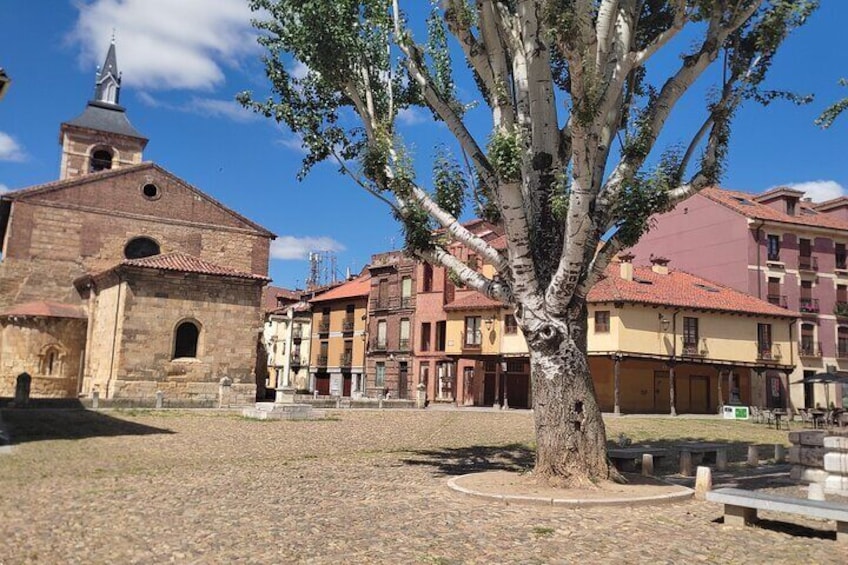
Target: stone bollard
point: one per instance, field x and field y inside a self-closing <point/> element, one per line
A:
<point x="160" y="399"/>
<point x="224" y="389"/>
<point x="22" y="389"/>
<point x="815" y="492"/>
<point x="338" y="402"/>
<point x="421" y="398"/>
<point x="647" y="465"/>
<point x="753" y="456"/>
<point x="703" y="482"/>
<point x="95" y="399"/>
<point x="380" y="402"/>
<point x="686" y="463"/>
<point x="779" y="453"/>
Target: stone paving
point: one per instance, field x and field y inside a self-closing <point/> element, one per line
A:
<point x="360" y="487"/>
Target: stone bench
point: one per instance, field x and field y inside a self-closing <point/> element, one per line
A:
<point x="622" y="456"/>
<point x="740" y="508"/>
<point x="718" y="450"/>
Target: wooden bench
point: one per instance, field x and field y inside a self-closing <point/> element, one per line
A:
<point x="622" y="456"/>
<point x="719" y="450"/>
<point x="740" y="508"/>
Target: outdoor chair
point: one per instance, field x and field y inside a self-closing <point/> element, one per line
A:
<point x="756" y="414"/>
<point x="767" y="417"/>
<point x="806" y="417"/>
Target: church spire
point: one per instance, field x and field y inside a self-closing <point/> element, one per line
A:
<point x="107" y="87"/>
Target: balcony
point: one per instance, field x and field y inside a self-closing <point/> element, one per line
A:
<point x="810" y="349"/>
<point x="841" y="262"/>
<point x="382" y="303"/>
<point x="346" y="359"/>
<point x="297" y="332"/>
<point x="808" y="305"/>
<point x="841" y="309"/>
<point x="768" y="352"/>
<point x="696" y="349"/>
<point x="347" y="324"/>
<point x="842" y="350"/>
<point x="808" y="263"/>
<point x="379" y="345"/>
<point x="778" y="300"/>
<point x="406" y="302"/>
<point x="322" y="360"/>
<point x="324" y="326"/>
<point x="295" y="360"/>
<point x="404" y="344"/>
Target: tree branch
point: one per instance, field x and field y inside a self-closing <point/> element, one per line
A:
<point x="493" y="289"/>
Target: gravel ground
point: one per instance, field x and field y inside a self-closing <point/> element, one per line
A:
<point x="359" y="487"/>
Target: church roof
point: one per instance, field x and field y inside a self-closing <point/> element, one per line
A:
<point x="178" y="261"/>
<point x="43" y="309"/>
<point x="57" y="185"/>
<point x="102" y="116"/>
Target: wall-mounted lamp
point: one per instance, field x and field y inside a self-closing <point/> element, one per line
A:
<point x="489" y="322"/>
<point x="664" y="322"/>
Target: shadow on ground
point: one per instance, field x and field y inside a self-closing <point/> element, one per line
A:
<point x="37" y="424"/>
<point x="474" y="459"/>
<point x="796" y="530"/>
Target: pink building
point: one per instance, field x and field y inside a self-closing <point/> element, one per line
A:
<point x="778" y="246"/>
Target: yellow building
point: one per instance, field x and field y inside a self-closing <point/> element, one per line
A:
<point x="654" y="334"/>
<point x="337" y="345"/>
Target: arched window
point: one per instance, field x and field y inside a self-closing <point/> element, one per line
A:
<point x="51" y="361"/>
<point x="101" y="160"/>
<point x="141" y="247"/>
<point x="185" y="340"/>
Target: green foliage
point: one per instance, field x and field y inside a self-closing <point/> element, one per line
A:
<point x="505" y="155"/>
<point x="644" y="196"/>
<point x="449" y="183"/>
<point x="417" y="228"/>
<point x="833" y="111"/>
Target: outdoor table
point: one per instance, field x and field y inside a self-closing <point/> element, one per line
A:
<point x="780" y="416"/>
<point x="818" y="418"/>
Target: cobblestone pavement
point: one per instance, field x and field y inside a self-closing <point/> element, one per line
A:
<point x="360" y="487"/>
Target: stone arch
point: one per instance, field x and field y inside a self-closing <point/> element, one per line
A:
<point x="101" y="158"/>
<point x="141" y="246"/>
<point x="51" y="360"/>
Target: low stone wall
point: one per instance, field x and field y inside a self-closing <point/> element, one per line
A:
<point x="820" y="456"/>
<point x="344" y="402"/>
<point x="41" y="387"/>
<point x="185" y="393"/>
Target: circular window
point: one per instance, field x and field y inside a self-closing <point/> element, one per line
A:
<point x="141" y="247"/>
<point x="150" y="191"/>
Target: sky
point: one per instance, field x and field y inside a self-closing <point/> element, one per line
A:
<point x="183" y="61"/>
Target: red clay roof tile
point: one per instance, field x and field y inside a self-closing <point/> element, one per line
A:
<point x="358" y="287"/>
<point x="44" y="309"/>
<point x="185" y="263"/>
<point x="744" y="203"/>
<point x="473" y="301"/>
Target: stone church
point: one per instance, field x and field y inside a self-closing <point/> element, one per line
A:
<point x="124" y="279"/>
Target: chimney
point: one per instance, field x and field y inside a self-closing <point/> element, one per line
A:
<point x="626" y="266"/>
<point x="659" y="265"/>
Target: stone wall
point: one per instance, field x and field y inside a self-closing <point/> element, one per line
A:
<point x="228" y="312"/>
<point x="78" y="146"/>
<point x="55" y="237"/>
<point x="24" y="345"/>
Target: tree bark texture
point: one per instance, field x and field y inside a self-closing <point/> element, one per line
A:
<point x="570" y="432"/>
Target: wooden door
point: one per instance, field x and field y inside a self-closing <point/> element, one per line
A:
<point x="662" y="396"/>
<point x="403" y="379"/>
<point x="346" y="382"/>
<point x="699" y="395"/>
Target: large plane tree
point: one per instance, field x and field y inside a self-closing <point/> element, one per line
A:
<point x="577" y="92"/>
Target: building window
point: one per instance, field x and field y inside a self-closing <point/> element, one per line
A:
<point x="840" y="256"/>
<point x="101" y="160"/>
<point x="842" y="342"/>
<point x="380" y="374"/>
<point x="690" y="332"/>
<point x="425" y="336"/>
<point x="51" y="361"/>
<point x="441" y="333"/>
<point x="774" y="248"/>
<point x="790" y="206"/>
<point x="473" y="262"/>
<point x="602" y="321"/>
<point x="382" y="339"/>
<point x="427" y="282"/>
<point x="150" y="191"/>
<point x="808" y="344"/>
<point x="809" y="390"/>
<point x="764" y="340"/>
<point x="141" y="247"/>
<point x="774" y="295"/>
<point x="405" y="292"/>
<point x="185" y="340"/>
<point x="404" y="334"/>
<point x="510" y="324"/>
<point x="473" y="335"/>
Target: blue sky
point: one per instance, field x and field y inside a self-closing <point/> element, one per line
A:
<point x="183" y="61"/>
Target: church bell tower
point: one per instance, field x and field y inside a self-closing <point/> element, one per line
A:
<point x="102" y="137"/>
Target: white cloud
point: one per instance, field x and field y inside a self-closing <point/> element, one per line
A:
<point x="293" y="142"/>
<point x="820" y="190"/>
<point x="10" y="150"/>
<point x="289" y="247"/>
<point x="209" y="107"/>
<point x="411" y="117"/>
<point x="162" y="44"/>
<point x="299" y="70"/>
<point x="4" y="189"/>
